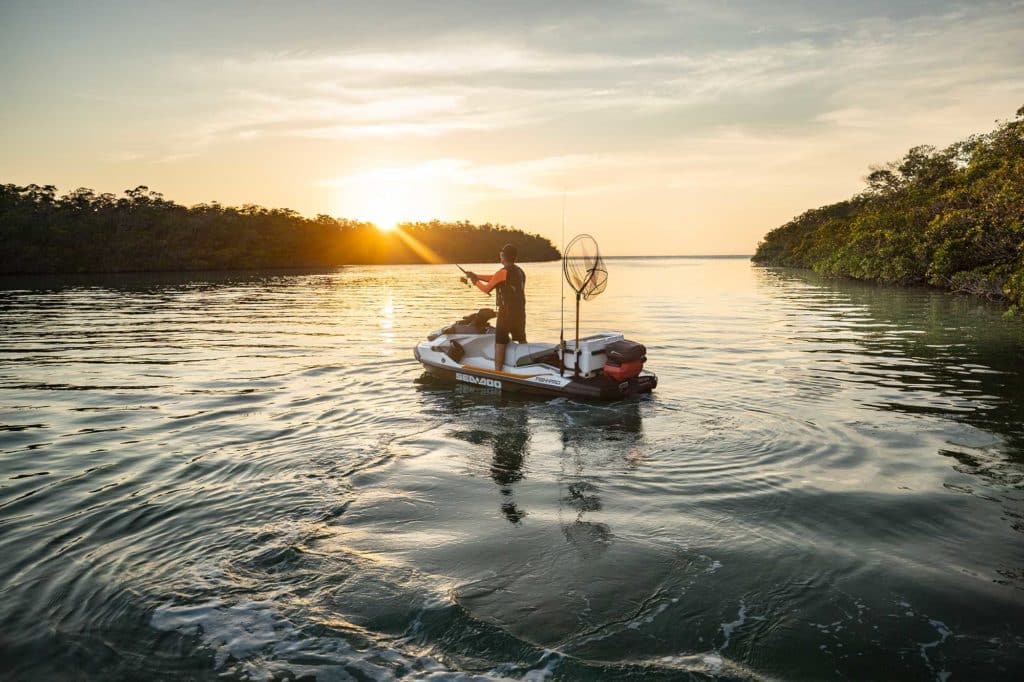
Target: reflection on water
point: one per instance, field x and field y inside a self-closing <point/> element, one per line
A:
<point x="944" y="355"/>
<point x="509" y="440"/>
<point x="247" y="475"/>
<point x="508" y="435"/>
<point x="932" y="355"/>
<point x="509" y="445"/>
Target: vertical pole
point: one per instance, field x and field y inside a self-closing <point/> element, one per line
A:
<point x="561" y="294"/>
<point x="577" y="353"/>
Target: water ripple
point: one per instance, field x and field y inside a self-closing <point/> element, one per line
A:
<point x="247" y="475"/>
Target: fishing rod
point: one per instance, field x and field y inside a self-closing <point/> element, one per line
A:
<point x="467" y="278"/>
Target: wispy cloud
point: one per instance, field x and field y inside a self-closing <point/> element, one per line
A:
<point x="852" y="75"/>
<point x="531" y="178"/>
<point x="430" y="93"/>
<point x="693" y="162"/>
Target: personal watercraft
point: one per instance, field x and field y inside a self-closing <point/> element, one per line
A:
<point x="610" y="366"/>
<point x="603" y="366"/>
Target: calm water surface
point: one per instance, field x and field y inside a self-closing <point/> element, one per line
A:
<point x="248" y="476"/>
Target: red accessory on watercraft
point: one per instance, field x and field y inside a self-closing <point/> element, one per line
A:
<point x="623" y="371"/>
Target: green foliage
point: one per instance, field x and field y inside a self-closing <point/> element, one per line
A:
<point x="950" y="218"/>
<point x="141" y="231"/>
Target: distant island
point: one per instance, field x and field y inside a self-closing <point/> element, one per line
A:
<point x="82" y="231"/>
<point x="950" y="218"/>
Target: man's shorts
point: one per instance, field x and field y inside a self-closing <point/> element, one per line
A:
<point x="510" y="325"/>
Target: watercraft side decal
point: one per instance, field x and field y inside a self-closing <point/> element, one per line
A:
<point x="479" y="381"/>
<point x="551" y="381"/>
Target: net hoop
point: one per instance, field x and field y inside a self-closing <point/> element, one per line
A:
<point x="584" y="268"/>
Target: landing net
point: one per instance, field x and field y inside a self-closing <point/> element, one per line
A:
<point x="583" y="267"/>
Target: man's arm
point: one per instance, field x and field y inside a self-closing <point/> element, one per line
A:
<point x="485" y="284"/>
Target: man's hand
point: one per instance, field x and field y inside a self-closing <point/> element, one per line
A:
<point x="473" y="277"/>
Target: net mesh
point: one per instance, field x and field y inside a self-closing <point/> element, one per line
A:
<point x="583" y="267"/>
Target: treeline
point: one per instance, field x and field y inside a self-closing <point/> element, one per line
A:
<point x="82" y="231"/>
<point x="950" y="218"/>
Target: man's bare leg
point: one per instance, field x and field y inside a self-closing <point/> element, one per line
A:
<point x="499" y="355"/>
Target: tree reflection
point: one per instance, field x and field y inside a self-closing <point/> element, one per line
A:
<point x="920" y="353"/>
<point x="963" y="350"/>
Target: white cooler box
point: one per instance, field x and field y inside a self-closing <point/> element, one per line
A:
<point x="592" y="356"/>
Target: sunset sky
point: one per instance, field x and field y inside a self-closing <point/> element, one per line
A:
<point x="670" y="128"/>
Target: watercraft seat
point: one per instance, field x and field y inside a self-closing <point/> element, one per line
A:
<point x="474" y="323"/>
<point x="522" y="354"/>
<point x="532" y="353"/>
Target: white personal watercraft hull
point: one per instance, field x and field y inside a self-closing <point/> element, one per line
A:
<point x="464" y="353"/>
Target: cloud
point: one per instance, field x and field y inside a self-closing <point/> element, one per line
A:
<point x="530" y="178"/>
<point x="824" y="81"/>
<point x="691" y="162"/>
<point x="434" y="92"/>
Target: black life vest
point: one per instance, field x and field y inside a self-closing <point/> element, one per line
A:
<point x="512" y="292"/>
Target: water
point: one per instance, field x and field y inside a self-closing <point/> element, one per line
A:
<point x="247" y="475"/>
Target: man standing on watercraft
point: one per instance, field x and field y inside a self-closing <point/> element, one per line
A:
<point x="510" y="283"/>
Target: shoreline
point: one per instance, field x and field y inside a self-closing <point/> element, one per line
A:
<point x="874" y="283"/>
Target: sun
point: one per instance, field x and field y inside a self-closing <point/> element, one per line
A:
<point x="388" y="197"/>
<point x="384" y="217"/>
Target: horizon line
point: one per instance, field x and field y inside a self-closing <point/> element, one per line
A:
<point x="686" y="255"/>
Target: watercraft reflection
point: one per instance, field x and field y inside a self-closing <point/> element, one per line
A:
<point x="510" y="445"/>
<point x="590" y="438"/>
<point x="509" y="439"/>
